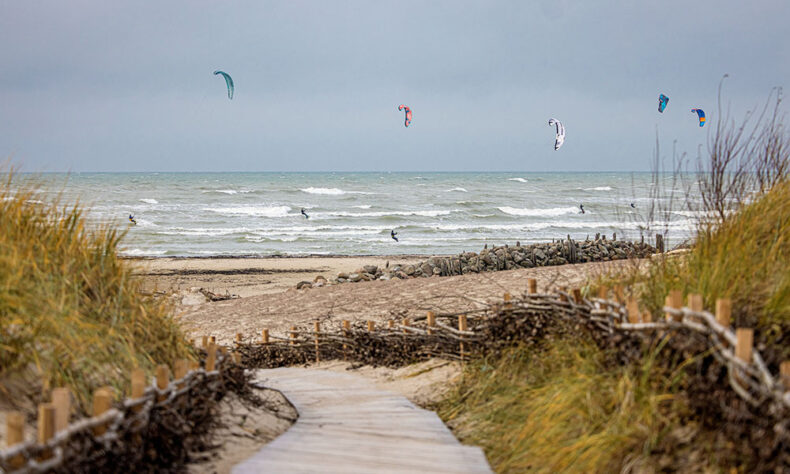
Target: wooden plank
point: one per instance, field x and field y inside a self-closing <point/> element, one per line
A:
<point x="348" y="425"/>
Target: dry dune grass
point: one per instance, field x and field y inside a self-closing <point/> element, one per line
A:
<point x="69" y="313"/>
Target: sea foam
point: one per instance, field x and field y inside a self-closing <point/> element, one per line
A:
<point x="259" y="211"/>
<point x="554" y="211"/>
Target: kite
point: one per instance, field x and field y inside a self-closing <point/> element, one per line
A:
<point x="408" y="114"/>
<point x="662" y="102"/>
<point x="560" y="138"/>
<point x="228" y="82"/>
<point x="701" y="116"/>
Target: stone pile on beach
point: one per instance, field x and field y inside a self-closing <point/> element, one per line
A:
<point x="498" y="258"/>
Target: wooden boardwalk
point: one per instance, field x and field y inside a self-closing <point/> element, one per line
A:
<point x="347" y="425"/>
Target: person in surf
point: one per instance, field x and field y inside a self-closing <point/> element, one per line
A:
<point x="581" y="206"/>
<point x="393" y="234"/>
<point x="305" y="214"/>
<point x="633" y="205"/>
<point x="131" y="219"/>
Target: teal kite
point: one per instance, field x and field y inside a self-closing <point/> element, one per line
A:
<point x="228" y="82"/>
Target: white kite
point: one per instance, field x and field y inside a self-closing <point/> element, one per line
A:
<point x="560" y="138"/>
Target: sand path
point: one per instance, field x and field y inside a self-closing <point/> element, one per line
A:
<point x="347" y="425"/>
<point x="375" y="300"/>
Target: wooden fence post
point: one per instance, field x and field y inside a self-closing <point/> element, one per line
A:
<point x="292" y="335"/>
<point x="204" y="342"/>
<point x="660" y="243"/>
<point x="213" y="339"/>
<point x="784" y="373"/>
<point x="46" y="426"/>
<point x="61" y="400"/>
<point x="211" y="357"/>
<point x="346" y="328"/>
<point x="405" y="324"/>
<point x="317" y="349"/>
<point x="264" y="336"/>
<point x="743" y="345"/>
<point x="239" y="338"/>
<point x="462" y="327"/>
<point x="371" y="326"/>
<point x="632" y="307"/>
<point x="506" y="299"/>
<point x="675" y="301"/>
<point x="577" y="295"/>
<point x="533" y="286"/>
<point x="15" y="434"/>
<point x="102" y="401"/>
<point x="603" y="292"/>
<point x="723" y="311"/>
<point x="695" y="302"/>
<point x="431" y="317"/>
<point x="162" y="380"/>
<point x="390" y="324"/>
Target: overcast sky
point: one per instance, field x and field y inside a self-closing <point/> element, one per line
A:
<point x="128" y="86"/>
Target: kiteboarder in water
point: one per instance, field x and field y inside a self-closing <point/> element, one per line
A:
<point x="131" y="219"/>
<point x="581" y="206"/>
<point x="393" y="234"/>
<point x="633" y="205"/>
<point x="305" y="214"/>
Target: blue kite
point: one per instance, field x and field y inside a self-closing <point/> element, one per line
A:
<point x="701" y="116"/>
<point x="228" y="82"/>
<point x="662" y="102"/>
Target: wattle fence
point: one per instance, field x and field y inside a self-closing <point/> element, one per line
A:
<point x="160" y="423"/>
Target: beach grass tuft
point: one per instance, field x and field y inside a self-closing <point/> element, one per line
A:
<point x="70" y="313"/>
<point x="564" y="408"/>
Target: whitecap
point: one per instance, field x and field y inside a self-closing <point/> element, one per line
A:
<point x="597" y="188"/>
<point x="330" y="191"/>
<point x="520" y="180"/>
<point x="460" y="190"/>
<point x="226" y="191"/>
<point x="149" y="201"/>
<point x="363" y="206"/>
<point x="554" y="211"/>
<point x="393" y="213"/>
<point x="260" y="211"/>
<point x="142" y="253"/>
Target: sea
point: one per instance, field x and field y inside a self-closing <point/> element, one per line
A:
<point x="259" y="214"/>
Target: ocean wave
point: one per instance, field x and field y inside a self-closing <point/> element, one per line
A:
<point x="330" y="191"/>
<point x="363" y="206"/>
<point x="142" y="253"/>
<point x="149" y="201"/>
<point x="460" y="190"/>
<point x="597" y="188"/>
<point x="259" y="211"/>
<point x="392" y="213"/>
<point x="554" y="211"/>
<point x="520" y="180"/>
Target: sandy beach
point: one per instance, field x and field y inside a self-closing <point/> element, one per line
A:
<point x="249" y="276"/>
<point x="268" y="297"/>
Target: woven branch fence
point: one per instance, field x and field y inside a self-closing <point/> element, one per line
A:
<point x="158" y="423"/>
<point x="153" y="430"/>
<point x="732" y="385"/>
